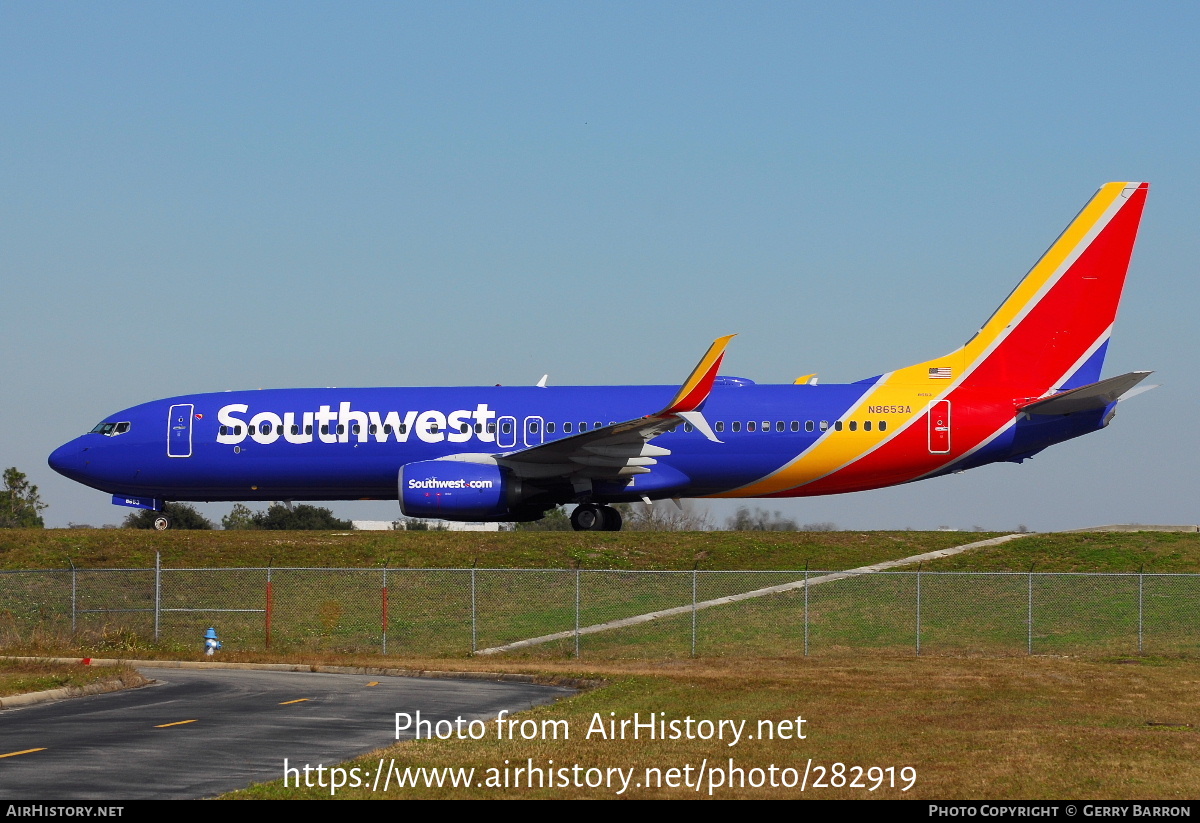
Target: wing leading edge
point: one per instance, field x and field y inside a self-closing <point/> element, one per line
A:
<point x="618" y="451"/>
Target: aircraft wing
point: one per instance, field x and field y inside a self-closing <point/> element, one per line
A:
<point x="1090" y="397"/>
<point x="618" y="450"/>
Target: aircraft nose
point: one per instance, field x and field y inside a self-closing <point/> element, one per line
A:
<point x="69" y="460"/>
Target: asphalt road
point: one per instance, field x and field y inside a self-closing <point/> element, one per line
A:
<point x="198" y="733"/>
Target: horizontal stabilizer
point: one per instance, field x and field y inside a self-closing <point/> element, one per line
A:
<point x="1087" y="398"/>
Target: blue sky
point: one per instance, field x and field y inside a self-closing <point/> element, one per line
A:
<point x="200" y="197"/>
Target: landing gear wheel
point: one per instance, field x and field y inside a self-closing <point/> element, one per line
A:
<point x="612" y="519"/>
<point x="162" y="523"/>
<point x="587" y="518"/>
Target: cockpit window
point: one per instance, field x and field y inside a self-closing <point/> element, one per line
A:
<point x="110" y="429"/>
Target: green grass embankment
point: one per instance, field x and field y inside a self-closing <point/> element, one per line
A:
<point x="128" y="548"/>
<point x="1155" y="552"/>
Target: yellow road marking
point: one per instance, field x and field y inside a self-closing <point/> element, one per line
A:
<point x="26" y="751"/>
<point x="176" y="723"/>
<point x="373" y="683"/>
<point x="290" y="702"/>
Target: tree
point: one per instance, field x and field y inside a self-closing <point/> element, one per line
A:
<point x="240" y="518"/>
<point x="759" y="520"/>
<point x="181" y="515"/>
<point x="20" y="505"/>
<point x="665" y="516"/>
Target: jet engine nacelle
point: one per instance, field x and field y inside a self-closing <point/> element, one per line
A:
<point x="454" y="490"/>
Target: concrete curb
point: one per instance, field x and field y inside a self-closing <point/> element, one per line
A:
<point x="510" y="677"/>
<point x="723" y="601"/>
<point x="66" y="693"/>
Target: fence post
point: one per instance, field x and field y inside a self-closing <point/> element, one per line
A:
<point x="806" y="608"/>
<point x="576" y="612"/>
<point x="694" y="572"/>
<point x="73" y="594"/>
<point x="385" y="609"/>
<point x="918" y="609"/>
<point x="157" y="591"/>
<point x="474" y="625"/>
<point x="1029" y="615"/>
<point x="1141" y="578"/>
<point x="270" y="604"/>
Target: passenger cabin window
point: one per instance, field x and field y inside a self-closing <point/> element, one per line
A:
<point x="687" y="427"/>
<point x="737" y="425"/>
<point x="853" y="425"/>
<point x="883" y="425"/>
<point x="566" y="428"/>
<point x="720" y="425"/>
<point x="549" y="428"/>
<point x="866" y="425"/>
<point x="750" y="426"/>
<point x="779" y="425"/>
<point x="824" y="425"/>
<point x="808" y="425"/>
<point x="837" y="426"/>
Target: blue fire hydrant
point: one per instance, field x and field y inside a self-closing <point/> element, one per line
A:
<point x="211" y="643"/>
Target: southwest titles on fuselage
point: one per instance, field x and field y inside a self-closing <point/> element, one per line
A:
<point x="326" y="425"/>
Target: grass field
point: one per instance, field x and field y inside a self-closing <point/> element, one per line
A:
<point x="23" y="676"/>
<point x="131" y="548"/>
<point x="972" y="728"/>
<point x="450" y="611"/>
<point x="974" y="714"/>
<point x="1161" y="552"/>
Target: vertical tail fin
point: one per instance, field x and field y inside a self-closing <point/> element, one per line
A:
<point x="1053" y="330"/>
<point x="1048" y="336"/>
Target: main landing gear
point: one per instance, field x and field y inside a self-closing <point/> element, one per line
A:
<point x="162" y="523"/>
<point x="589" y="517"/>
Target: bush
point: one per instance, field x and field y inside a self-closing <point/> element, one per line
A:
<point x="284" y="517"/>
<point x="181" y="515"/>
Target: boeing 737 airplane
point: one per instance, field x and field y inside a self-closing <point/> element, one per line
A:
<point x="1029" y="378"/>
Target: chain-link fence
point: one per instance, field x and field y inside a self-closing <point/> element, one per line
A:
<point x="602" y="614"/>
